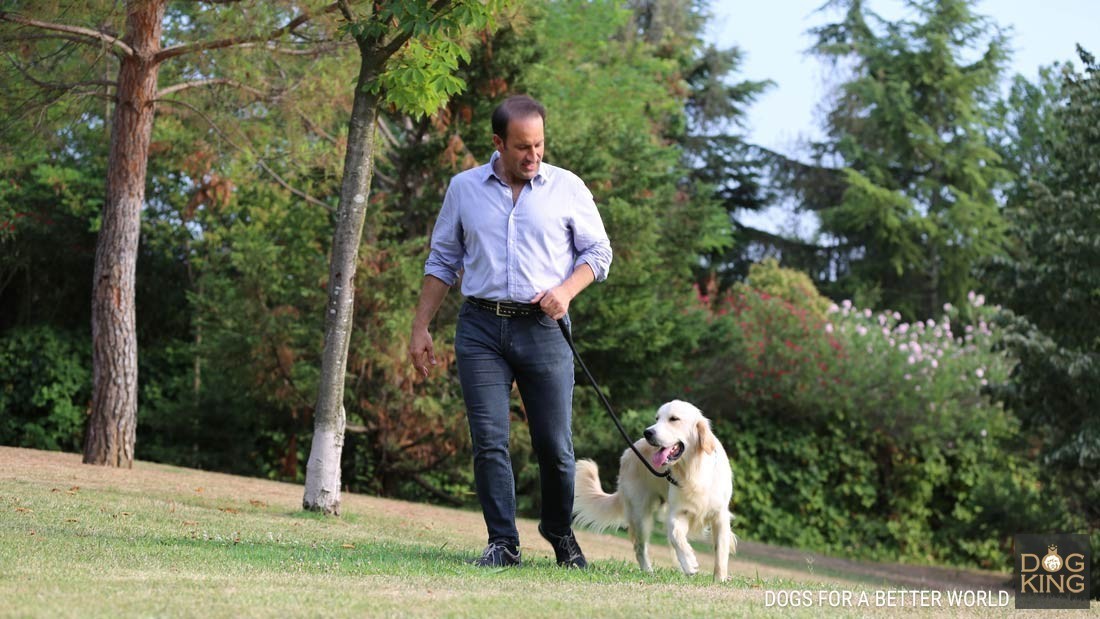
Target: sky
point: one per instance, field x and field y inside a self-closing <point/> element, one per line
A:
<point x="772" y="36"/>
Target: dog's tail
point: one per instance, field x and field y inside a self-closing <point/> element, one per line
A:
<point x="592" y="507"/>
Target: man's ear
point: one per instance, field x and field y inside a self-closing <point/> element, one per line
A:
<point x="707" y="442"/>
<point x="498" y="143"/>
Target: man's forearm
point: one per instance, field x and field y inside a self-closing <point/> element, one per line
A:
<point x="581" y="277"/>
<point x="432" y="293"/>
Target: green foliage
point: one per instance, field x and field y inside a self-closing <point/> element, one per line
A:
<point x="410" y="435"/>
<point x="49" y="205"/>
<point x="1050" y="284"/>
<point x="256" y="304"/>
<point x="421" y="79"/>
<point x="862" y="434"/>
<point x="45" y="388"/>
<point x="794" y="286"/>
<point x="907" y="125"/>
<point x="1027" y="127"/>
<point x="417" y="76"/>
<point x="612" y="99"/>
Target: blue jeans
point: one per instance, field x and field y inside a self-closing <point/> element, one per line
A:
<point x="491" y="352"/>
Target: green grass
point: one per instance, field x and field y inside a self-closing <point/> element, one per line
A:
<point x="159" y="547"/>
<point x="160" y="541"/>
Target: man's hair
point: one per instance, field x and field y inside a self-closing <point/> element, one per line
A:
<point x="519" y="106"/>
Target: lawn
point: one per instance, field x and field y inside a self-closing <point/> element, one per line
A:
<point x="156" y="540"/>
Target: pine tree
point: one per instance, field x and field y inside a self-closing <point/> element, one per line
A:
<point x="916" y="206"/>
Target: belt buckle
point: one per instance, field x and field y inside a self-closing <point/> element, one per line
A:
<point x="501" y="313"/>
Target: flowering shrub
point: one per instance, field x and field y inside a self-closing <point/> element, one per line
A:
<point x="852" y="431"/>
<point x="923" y="380"/>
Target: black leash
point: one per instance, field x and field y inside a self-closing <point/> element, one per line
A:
<point x="618" y="424"/>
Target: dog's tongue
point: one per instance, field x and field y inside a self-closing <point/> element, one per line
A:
<point x="661" y="457"/>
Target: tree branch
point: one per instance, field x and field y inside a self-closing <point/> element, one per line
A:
<point x="391" y="48"/>
<point x="179" y="50"/>
<point x="305" y="402"/>
<point x="314" y="127"/>
<point x="85" y="33"/>
<point x="298" y="192"/>
<point x="387" y="133"/>
<point x="36" y="37"/>
<point x="209" y="82"/>
<point x="263" y="165"/>
<point x="345" y="10"/>
<point x="57" y="85"/>
<point x="323" y="48"/>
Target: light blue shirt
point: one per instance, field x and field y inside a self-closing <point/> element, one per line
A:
<point x="512" y="253"/>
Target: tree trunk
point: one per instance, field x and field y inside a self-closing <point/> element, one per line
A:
<point x="110" y="435"/>
<point x="322" y="491"/>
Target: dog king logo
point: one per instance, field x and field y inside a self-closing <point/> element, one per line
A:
<point x="1052" y="571"/>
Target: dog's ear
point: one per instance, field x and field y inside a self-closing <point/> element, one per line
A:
<point x="707" y="442"/>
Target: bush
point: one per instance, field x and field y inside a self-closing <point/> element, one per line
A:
<point x="45" y="388"/>
<point x="854" y="432"/>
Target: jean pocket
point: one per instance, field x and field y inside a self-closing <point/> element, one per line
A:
<point x="549" y="322"/>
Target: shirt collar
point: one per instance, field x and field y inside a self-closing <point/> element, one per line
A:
<point x="541" y="178"/>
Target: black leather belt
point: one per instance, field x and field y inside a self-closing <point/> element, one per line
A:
<point x="506" y="309"/>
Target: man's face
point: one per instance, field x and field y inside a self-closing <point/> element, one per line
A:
<point x="521" y="151"/>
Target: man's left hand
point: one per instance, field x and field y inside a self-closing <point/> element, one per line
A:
<point x="554" y="302"/>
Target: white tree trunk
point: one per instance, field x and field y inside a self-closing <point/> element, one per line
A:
<point x="323" y="469"/>
<point x="322" y="492"/>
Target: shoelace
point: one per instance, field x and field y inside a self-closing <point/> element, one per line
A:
<point x="492" y="548"/>
<point x="569" y="542"/>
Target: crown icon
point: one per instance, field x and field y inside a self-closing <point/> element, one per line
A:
<point x="1053" y="548"/>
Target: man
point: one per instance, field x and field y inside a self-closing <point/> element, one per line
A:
<point x="527" y="238"/>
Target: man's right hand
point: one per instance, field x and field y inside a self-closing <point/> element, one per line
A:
<point x="421" y="351"/>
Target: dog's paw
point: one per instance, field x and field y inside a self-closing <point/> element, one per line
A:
<point x="690" y="566"/>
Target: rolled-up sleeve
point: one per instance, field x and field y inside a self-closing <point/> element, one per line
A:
<point x="445" y="258"/>
<point x="589" y="237"/>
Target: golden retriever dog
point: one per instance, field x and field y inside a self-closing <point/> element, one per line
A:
<point x="681" y="442"/>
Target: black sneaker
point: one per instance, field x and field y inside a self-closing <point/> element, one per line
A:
<point x="566" y="549"/>
<point x="497" y="554"/>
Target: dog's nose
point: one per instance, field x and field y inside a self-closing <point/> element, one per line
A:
<point x="648" y="434"/>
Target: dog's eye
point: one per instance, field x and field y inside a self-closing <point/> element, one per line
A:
<point x="674" y="419"/>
